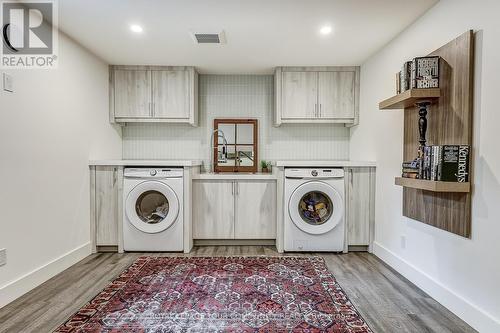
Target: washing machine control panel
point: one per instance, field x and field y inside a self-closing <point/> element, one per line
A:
<point x="153" y="172"/>
<point x="318" y="173"/>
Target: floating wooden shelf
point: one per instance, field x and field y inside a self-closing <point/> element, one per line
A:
<point x="444" y="205"/>
<point x="409" y="98"/>
<point x="434" y="186"/>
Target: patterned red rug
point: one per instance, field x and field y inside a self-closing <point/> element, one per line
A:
<point x="221" y="294"/>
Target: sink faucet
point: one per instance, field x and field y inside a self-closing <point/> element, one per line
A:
<point x="220" y="134"/>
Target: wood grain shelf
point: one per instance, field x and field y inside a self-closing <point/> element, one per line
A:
<point x="409" y="98"/>
<point x="434" y="186"/>
<point x="444" y="205"/>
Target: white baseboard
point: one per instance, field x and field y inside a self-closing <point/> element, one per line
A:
<point x="464" y="309"/>
<point x="14" y="289"/>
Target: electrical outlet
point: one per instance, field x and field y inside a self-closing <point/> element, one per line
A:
<point x="3" y="257"/>
<point x="403" y="241"/>
<point x="8" y="83"/>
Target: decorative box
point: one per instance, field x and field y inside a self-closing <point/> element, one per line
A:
<point x="425" y="72"/>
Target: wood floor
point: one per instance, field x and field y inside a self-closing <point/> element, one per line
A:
<point x="387" y="301"/>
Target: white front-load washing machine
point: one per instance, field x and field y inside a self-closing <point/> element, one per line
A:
<point x="314" y="210"/>
<point x="153" y="209"/>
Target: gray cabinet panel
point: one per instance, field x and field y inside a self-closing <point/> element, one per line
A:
<point x="300" y="93"/>
<point x="213" y="210"/>
<point x="336" y="95"/>
<point x="106" y="205"/>
<point x="170" y="94"/>
<point x="255" y="210"/>
<point x="132" y="93"/>
<point x="360" y="204"/>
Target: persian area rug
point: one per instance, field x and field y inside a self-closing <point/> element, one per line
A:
<point x="221" y="294"/>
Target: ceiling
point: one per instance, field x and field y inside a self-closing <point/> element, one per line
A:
<point x="261" y="34"/>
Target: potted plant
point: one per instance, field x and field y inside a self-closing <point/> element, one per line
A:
<point x="265" y="166"/>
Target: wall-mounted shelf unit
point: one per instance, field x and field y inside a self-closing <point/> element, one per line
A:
<point x="444" y="205"/>
<point x="409" y="98"/>
<point x="433" y="186"/>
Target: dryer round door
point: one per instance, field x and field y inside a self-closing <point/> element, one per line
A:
<point x="316" y="207"/>
<point x="152" y="206"/>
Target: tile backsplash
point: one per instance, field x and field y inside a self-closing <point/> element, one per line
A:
<point x="236" y="96"/>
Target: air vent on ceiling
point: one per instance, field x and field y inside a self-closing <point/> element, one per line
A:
<point x="209" y="38"/>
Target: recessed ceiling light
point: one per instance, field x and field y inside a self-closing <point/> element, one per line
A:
<point x="325" y="30"/>
<point x="136" y="28"/>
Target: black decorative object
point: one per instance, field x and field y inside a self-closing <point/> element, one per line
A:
<point x="422" y="121"/>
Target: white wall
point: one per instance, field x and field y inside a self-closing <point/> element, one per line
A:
<point x="54" y="122"/>
<point x="463" y="274"/>
<point x="236" y="96"/>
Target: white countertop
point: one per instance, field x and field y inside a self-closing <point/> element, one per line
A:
<point x="152" y="163"/>
<point x="236" y="176"/>
<point x="330" y="163"/>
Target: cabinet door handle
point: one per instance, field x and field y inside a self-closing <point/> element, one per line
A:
<point x="114" y="176"/>
<point x="320" y="110"/>
<point x="237" y="188"/>
<point x="232" y="188"/>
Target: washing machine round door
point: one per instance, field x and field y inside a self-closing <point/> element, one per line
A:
<point x="316" y="207"/>
<point x="152" y="206"/>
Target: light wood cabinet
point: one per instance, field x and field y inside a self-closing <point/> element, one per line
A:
<point x="360" y="205"/>
<point x="213" y="209"/>
<point x="316" y="95"/>
<point x="336" y="95"/>
<point x="299" y="95"/>
<point x="153" y="94"/>
<point x="255" y="210"/>
<point x="106" y="206"/>
<point x="170" y="99"/>
<point x="132" y="91"/>
<point x="234" y="209"/>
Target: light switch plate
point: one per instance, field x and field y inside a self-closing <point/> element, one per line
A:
<point x="8" y="83"/>
<point x="3" y="257"/>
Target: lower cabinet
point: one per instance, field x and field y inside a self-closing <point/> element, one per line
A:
<point x="234" y="209"/>
<point x="213" y="209"/>
<point x="106" y="198"/>
<point x="360" y="206"/>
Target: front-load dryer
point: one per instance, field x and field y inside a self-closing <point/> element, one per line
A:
<point x="153" y="209"/>
<point x="314" y="210"/>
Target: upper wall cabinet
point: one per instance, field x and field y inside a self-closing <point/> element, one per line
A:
<point x="316" y="95"/>
<point x="153" y="94"/>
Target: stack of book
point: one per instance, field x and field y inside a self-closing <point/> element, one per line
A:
<point x="411" y="169"/>
<point x="448" y="163"/>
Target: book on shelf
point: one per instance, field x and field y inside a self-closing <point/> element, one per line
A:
<point x="449" y="163"/>
<point x="411" y="169"/>
<point x="411" y="164"/>
<point x="455" y="163"/>
<point x="412" y="175"/>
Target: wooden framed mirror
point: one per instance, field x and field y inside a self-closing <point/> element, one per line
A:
<point x="235" y="145"/>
